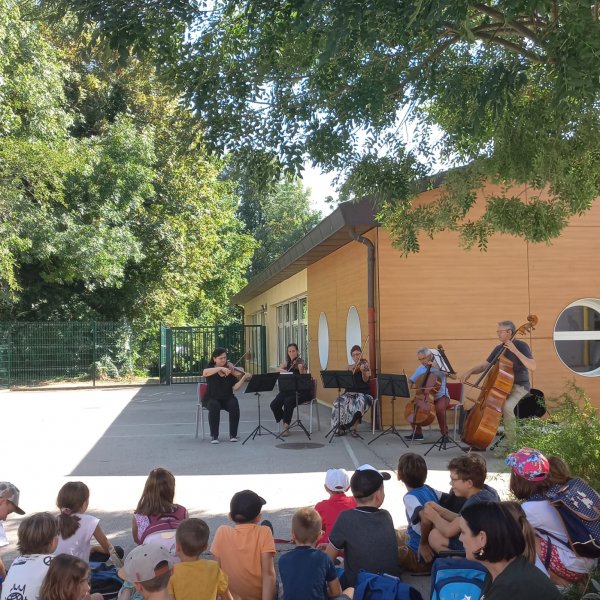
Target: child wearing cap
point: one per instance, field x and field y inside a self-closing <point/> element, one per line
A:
<point x="467" y="479"/>
<point x="365" y="534"/>
<point x="149" y="569"/>
<point x="38" y="536"/>
<point x="530" y="477"/>
<point x="9" y="503"/>
<point x="414" y="552"/>
<point x="194" y="578"/>
<point x="336" y="485"/>
<point x="246" y="552"/>
<point x="307" y="573"/>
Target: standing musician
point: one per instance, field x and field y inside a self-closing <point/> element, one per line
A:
<point x="442" y="398"/>
<point x="285" y="402"/>
<point x="349" y="408"/>
<point x="519" y="353"/>
<point x="222" y="380"/>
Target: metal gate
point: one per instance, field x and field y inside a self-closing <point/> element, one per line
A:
<point x="185" y="351"/>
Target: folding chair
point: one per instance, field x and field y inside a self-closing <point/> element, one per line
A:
<point x="456" y="392"/>
<point x="202" y="386"/>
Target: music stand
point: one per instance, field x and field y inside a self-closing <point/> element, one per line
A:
<point x="394" y="386"/>
<point x="339" y="380"/>
<point x="257" y="384"/>
<point x="295" y="382"/>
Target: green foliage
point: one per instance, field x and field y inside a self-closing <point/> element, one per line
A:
<point x="512" y="88"/>
<point x="572" y="433"/>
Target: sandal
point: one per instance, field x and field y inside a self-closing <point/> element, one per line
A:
<point x="340" y="432"/>
<point x="354" y="433"/>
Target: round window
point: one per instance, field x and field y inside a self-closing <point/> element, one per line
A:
<point x="352" y="332"/>
<point x="577" y="337"/>
<point x="323" y="341"/>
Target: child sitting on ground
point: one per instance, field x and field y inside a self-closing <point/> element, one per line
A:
<point x="149" y="569"/>
<point x="9" y="503"/>
<point x="414" y="552"/>
<point x="365" y="534"/>
<point x="67" y="579"/>
<point x="76" y="528"/>
<point x="336" y="485"/>
<point x="37" y="541"/>
<point x="307" y="573"/>
<point x="467" y="479"/>
<point x="246" y="552"/>
<point x="195" y="578"/>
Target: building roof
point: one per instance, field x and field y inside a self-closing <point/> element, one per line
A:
<point x="333" y="232"/>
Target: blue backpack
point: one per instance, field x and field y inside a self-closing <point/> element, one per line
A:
<point x="383" y="587"/>
<point x="456" y="579"/>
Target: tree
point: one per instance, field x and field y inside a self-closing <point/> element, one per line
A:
<point x="512" y="86"/>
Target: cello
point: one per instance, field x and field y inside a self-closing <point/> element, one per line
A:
<point x="483" y="420"/>
<point x="420" y="411"/>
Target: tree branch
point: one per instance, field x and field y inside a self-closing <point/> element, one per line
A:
<point x="513" y="47"/>
<point x="518" y="27"/>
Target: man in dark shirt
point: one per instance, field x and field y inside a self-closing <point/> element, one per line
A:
<point x="519" y="353"/>
<point x="365" y="534"/>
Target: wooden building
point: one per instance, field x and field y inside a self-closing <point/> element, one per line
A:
<point x="317" y="294"/>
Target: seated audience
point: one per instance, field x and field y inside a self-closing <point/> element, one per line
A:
<point x="9" y="503"/>
<point x="68" y="578"/>
<point x="246" y="552"/>
<point x="336" y="485"/>
<point x="149" y="569"/>
<point x="467" y="479"/>
<point x="365" y="534"/>
<point x="490" y="535"/>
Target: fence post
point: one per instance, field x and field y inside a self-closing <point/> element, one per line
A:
<point x="263" y="348"/>
<point x="94" y="356"/>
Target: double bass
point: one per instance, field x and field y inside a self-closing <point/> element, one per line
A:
<point x="483" y="420"/>
<point x="421" y="409"/>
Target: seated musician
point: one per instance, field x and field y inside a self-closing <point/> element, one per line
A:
<point x="349" y="408"/>
<point x="284" y="403"/>
<point x="519" y="353"/>
<point x="442" y="397"/>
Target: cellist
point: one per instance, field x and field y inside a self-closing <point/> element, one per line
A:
<point x="519" y="353"/>
<point x="442" y="400"/>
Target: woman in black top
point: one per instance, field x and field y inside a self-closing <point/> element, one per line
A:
<point x="284" y="403"/>
<point x="492" y="536"/>
<point x="349" y="408"/>
<point x="221" y="383"/>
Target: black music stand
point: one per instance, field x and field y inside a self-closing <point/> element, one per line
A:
<point x="339" y="380"/>
<point x="297" y="383"/>
<point x="258" y="384"/>
<point x="394" y="386"/>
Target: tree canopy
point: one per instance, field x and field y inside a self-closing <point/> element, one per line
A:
<point x="509" y="90"/>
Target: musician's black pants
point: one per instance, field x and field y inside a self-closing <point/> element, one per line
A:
<point x="284" y="404"/>
<point x="215" y="407"/>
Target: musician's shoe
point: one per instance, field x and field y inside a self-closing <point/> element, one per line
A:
<point x="285" y="433"/>
<point x="233" y="439"/>
<point x="417" y="437"/>
<point x="214" y="440"/>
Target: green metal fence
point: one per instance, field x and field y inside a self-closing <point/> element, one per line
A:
<point x="185" y="351"/>
<point x="36" y="353"/>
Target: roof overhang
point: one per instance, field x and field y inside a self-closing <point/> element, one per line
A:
<point x="333" y="232"/>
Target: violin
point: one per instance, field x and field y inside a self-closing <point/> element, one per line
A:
<point x="421" y="409"/>
<point x="235" y="370"/>
<point x="483" y="420"/>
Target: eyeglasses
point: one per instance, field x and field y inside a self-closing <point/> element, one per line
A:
<point x="501" y="330"/>
<point x="455" y="478"/>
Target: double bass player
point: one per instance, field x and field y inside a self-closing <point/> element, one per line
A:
<point x="519" y="353"/>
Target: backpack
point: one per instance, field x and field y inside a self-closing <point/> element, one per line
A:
<point x="383" y="587"/>
<point x="105" y="580"/>
<point x="578" y="505"/>
<point x="163" y="522"/>
<point x="457" y="578"/>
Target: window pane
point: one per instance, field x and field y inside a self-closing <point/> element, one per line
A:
<point x="581" y="356"/>
<point x="578" y="318"/>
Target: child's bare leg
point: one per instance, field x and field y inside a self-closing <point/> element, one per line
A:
<point x="437" y="541"/>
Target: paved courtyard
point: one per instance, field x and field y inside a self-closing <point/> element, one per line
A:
<point x="112" y="438"/>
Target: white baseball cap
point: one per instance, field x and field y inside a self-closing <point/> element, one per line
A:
<point x="142" y="562"/>
<point x="337" y="480"/>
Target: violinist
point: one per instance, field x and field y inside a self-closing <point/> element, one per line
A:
<point x="441" y="398"/>
<point x="349" y="408"/>
<point x="519" y="353"/>
<point x="285" y="402"/>
<point x="222" y="380"/>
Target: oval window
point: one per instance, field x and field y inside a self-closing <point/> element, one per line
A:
<point x="323" y="341"/>
<point x="577" y="337"/>
<point x="353" y="332"/>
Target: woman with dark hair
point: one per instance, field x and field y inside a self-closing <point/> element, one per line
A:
<point x="349" y="408"/>
<point x="491" y="535"/>
<point x="285" y="402"/>
<point x="531" y="476"/>
<point x="221" y="383"/>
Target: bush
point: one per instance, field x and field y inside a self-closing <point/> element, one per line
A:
<point x="106" y="369"/>
<point x="572" y="432"/>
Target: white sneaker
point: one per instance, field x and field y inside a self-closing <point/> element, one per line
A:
<point x="233" y="439"/>
<point x="214" y="441"/>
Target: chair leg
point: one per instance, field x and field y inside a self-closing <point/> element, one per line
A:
<point x="310" y="417"/>
<point x="198" y="410"/>
<point x="202" y="419"/>
<point x="318" y="418"/>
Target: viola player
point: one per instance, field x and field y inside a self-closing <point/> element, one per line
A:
<point x="222" y="381"/>
<point x="519" y="353"/>
<point x="441" y="398"/>
<point x="285" y="402"/>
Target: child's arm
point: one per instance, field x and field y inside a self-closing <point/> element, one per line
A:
<point x="107" y="546"/>
<point x="2" y="570"/>
<point x="134" y="530"/>
<point x="334" y="588"/>
<point x="432" y="508"/>
<point x="332" y="552"/>
<point x="226" y="595"/>
<point x="267" y="564"/>
<point x="446" y="528"/>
